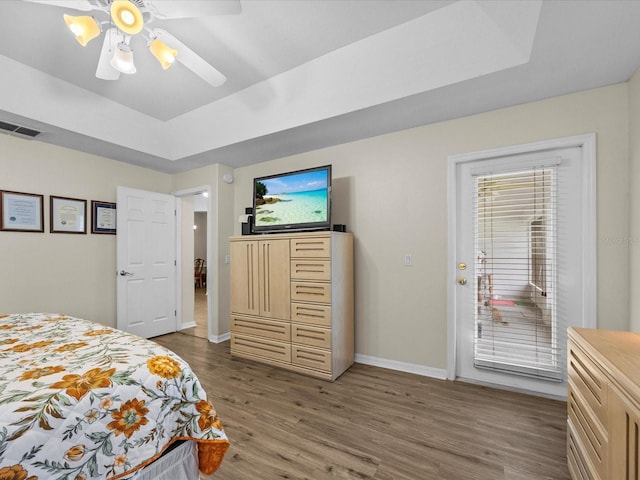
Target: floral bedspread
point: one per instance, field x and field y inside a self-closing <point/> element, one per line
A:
<point x="80" y="400"/>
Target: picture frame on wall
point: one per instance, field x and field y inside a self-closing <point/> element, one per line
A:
<point x="21" y="212"/>
<point x="67" y="215"/>
<point x="103" y="217"/>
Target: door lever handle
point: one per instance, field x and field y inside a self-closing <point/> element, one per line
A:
<point x="124" y="273"/>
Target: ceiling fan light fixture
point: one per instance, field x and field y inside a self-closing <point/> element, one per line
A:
<point x="163" y="53"/>
<point x="123" y="59"/>
<point x="126" y="16"/>
<point x="85" y="28"/>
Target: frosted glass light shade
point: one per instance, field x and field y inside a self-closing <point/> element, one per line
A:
<point x="85" y="28"/>
<point x="123" y="59"/>
<point x="126" y="17"/>
<point x="165" y="54"/>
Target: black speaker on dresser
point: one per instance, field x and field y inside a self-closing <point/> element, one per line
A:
<point x="247" y="227"/>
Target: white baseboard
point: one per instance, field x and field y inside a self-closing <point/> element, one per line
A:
<point x="188" y="325"/>
<point x="220" y="338"/>
<point x="439" y="373"/>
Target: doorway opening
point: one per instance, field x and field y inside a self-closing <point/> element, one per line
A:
<point x="200" y="307"/>
<point x="193" y="245"/>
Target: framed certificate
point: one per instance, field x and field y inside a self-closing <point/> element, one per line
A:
<point x="68" y="215"/>
<point x="103" y="217"/>
<point x="21" y="212"/>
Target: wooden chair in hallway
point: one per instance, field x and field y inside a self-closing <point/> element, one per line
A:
<point x="199" y="274"/>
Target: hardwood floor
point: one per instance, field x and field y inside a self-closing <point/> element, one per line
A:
<point x="199" y="315"/>
<point x="373" y="423"/>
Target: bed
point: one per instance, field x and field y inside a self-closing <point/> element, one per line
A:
<point x="80" y="400"/>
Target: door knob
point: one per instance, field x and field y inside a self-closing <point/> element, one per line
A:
<point x="462" y="281"/>
<point x="124" y="273"/>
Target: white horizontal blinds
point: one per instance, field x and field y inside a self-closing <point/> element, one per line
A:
<point x="515" y="243"/>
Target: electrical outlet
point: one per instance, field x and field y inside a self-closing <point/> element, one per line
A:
<point x="408" y="260"/>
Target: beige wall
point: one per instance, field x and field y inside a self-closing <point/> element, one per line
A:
<point x="634" y="202"/>
<point x="75" y="274"/>
<point x="391" y="192"/>
<point x="200" y="235"/>
<point x="64" y="273"/>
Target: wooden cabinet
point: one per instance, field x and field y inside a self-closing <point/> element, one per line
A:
<point x="260" y="278"/>
<point x="603" y="405"/>
<point x="292" y="301"/>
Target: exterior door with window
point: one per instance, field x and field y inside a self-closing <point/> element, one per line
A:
<point x="520" y="250"/>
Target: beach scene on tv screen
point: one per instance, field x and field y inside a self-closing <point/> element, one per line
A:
<point x="292" y="199"/>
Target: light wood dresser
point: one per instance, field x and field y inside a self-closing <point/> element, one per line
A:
<point x="603" y="436"/>
<point x="292" y="301"/>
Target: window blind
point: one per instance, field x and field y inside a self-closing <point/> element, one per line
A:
<point x="517" y="328"/>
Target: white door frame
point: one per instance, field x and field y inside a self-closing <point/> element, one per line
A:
<point x="588" y="185"/>
<point x="179" y="194"/>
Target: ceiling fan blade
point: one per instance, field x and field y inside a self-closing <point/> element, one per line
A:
<point x="191" y="59"/>
<point x="167" y="9"/>
<point x="82" y="5"/>
<point x="105" y="71"/>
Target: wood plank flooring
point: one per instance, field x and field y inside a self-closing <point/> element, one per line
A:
<point x="373" y="423"/>
<point x="199" y="314"/>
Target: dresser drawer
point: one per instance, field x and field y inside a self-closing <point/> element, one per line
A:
<point x="310" y="248"/>
<point x="579" y="466"/>
<point x="261" y="328"/>
<point x="311" y="292"/>
<point x="313" y="336"/>
<point x="311" y="357"/>
<point x="589" y="381"/>
<point x="311" y="270"/>
<point x="588" y="433"/>
<point x="261" y="346"/>
<point x="309" y="313"/>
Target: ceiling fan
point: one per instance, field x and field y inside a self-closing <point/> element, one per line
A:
<point x="124" y="19"/>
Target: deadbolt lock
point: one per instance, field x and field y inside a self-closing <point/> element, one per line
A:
<point x="462" y="266"/>
<point x="462" y="281"/>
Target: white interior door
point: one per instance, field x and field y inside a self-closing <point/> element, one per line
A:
<point x="146" y="262"/>
<point x="504" y="330"/>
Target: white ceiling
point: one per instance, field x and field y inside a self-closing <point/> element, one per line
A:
<point x="306" y="74"/>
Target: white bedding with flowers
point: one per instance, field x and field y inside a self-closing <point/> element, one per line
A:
<point x="80" y="400"/>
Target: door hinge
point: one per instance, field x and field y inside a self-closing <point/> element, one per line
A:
<point x="175" y="263"/>
<point x="175" y="313"/>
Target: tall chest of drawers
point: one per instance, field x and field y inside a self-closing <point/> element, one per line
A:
<point x="603" y="403"/>
<point x="292" y="301"/>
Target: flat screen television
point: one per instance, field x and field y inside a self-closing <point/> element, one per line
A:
<point x="293" y="201"/>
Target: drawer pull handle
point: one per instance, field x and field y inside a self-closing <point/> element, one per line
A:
<point x="310" y="312"/>
<point x="309" y="315"/>
<point x="309" y="290"/>
<point x="310" y="245"/>
<point x="311" y="335"/>
<point x="311" y="356"/>
<point x="263" y="328"/>
<point x="261" y="346"/>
